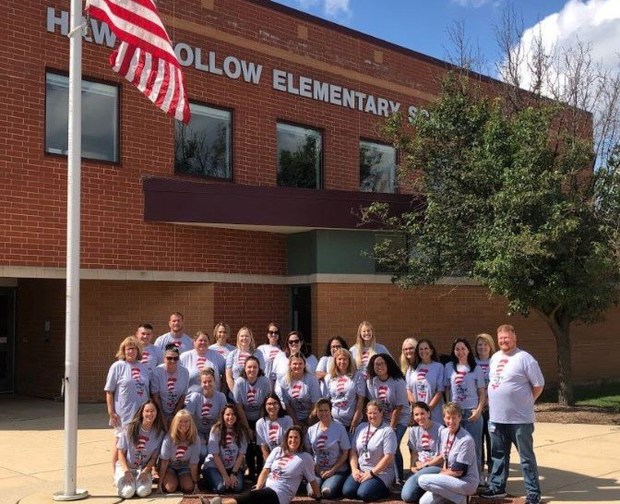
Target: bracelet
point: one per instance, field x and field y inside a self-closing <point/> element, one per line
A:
<point x="372" y="473"/>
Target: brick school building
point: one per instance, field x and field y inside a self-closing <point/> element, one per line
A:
<point x="247" y="215"/>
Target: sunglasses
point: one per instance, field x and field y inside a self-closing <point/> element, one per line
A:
<point x="293" y="342"/>
<point x="273" y="332"/>
<point x="172" y="359"/>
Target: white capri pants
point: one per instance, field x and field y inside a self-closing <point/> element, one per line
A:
<point x="441" y="488"/>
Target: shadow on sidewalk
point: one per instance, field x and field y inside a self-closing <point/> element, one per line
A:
<point x="33" y="413"/>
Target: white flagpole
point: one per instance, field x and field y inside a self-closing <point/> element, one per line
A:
<point x="72" y="317"/>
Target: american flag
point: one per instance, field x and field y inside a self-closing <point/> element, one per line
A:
<point x="145" y="56"/>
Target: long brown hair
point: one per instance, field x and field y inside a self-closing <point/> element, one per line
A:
<point x="133" y="427"/>
<point x="240" y="431"/>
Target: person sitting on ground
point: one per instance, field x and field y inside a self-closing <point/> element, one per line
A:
<point x="179" y="457"/>
<point x="281" y="476"/>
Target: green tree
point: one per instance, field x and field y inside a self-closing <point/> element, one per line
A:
<point x="511" y="201"/>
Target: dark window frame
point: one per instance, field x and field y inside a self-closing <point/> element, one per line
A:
<point x="95" y="80"/>
<point x="231" y="148"/>
<point x="321" y="131"/>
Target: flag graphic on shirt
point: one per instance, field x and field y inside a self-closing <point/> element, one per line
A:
<point x="142" y="440"/>
<point x="230" y="437"/>
<point x="420" y="385"/>
<point x="145" y="56"/>
<point x="171" y="383"/>
<point x="274" y="433"/>
<point x="460" y="377"/>
<point x="180" y="452"/>
<point x="382" y="393"/>
<point x="273" y="353"/>
<point x="276" y="472"/>
<point x="296" y="390"/>
<point x="421" y="374"/>
<point x="499" y="372"/>
<point x="341" y="385"/>
<point x="320" y="441"/>
<point x="136" y="375"/>
<point x="205" y="411"/>
<point x="426" y="441"/>
<point x="241" y="358"/>
<point x="145" y="356"/>
<point x="221" y="350"/>
<point x="365" y="356"/>
<point x="200" y="362"/>
<point x="252" y="394"/>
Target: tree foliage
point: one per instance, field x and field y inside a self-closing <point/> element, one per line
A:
<point x="511" y="201"/>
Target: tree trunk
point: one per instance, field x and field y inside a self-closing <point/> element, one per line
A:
<point x="560" y="326"/>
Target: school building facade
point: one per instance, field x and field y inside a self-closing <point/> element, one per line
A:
<point x="247" y="215"/>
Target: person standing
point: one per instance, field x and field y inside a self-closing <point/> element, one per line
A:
<point x="515" y="382"/>
<point x="152" y="356"/>
<point x="176" y="335"/>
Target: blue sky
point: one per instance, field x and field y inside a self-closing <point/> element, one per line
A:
<point x="422" y="25"/>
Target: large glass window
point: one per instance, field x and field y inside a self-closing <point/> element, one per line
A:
<point x="203" y="146"/>
<point x="100" y="123"/>
<point x="377" y="167"/>
<point x="299" y="156"/>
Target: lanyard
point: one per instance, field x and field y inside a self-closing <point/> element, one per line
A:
<point x="448" y="447"/>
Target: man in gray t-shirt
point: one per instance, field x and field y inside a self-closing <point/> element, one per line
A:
<point x="515" y="383"/>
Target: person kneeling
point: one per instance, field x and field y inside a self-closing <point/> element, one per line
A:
<point x="459" y="476"/>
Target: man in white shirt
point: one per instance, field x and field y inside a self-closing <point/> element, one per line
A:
<point x="515" y="383"/>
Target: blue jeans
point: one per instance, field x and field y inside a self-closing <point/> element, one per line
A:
<point x="370" y="490"/>
<point x="215" y="482"/>
<point x="502" y="437"/>
<point x="411" y="491"/>
<point x="398" y="456"/>
<point x="331" y="488"/>
<point x="475" y="429"/>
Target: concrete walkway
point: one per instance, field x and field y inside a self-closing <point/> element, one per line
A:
<point x="578" y="463"/>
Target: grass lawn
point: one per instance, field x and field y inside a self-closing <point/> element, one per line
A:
<point x="604" y="396"/>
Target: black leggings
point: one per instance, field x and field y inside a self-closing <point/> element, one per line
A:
<point x="264" y="496"/>
<point x="254" y="455"/>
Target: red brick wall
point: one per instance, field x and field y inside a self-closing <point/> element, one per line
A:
<point x="442" y="313"/>
<point x="114" y="235"/>
<point x="109" y="312"/>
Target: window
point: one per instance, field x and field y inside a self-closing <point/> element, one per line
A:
<point x="299" y="156"/>
<point x="100" y="122"/>
<point x="203" y="146"/>
<point x="377" y="167"/>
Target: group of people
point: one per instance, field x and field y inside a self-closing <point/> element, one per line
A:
<point x="196" y="411"/>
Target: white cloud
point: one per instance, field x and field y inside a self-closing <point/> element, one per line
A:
<point x="590" y="24"/>
<point x="330" y="8"/>
<point x="595" y="23"/>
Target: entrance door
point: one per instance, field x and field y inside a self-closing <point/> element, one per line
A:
<point x="301" y="311"/>
<point x="7" y="338"/>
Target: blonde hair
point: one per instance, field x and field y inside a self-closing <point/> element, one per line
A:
<point x="333" y="368"/>
<point x="404" y="363"/>
<point x="252" y="342"/>
<point x="488" y="339"/>
<point x="451" y="408"/>
<point x="192" y="433"/>
<point x="289" y="373"/>
<point x="129" y="341"/>
<point x="359" y="344"/>
<point x="506" y="328"/>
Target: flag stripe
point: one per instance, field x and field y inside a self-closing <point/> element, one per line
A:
<point x="145" y="56"/>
